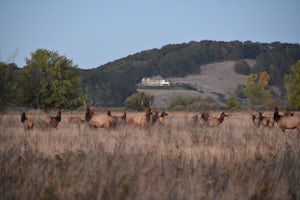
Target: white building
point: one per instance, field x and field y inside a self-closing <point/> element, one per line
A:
<point x="155" y="81"/>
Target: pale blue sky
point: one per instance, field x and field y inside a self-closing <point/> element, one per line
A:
<point x="94" y="32"/>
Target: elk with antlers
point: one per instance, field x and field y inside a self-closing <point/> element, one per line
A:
<point x="286" y="122"/>
<point x="27" y="121"/>
<point x="98" y="121"/>
<point x="53" y="121"/>
<point x="142" y="120"/>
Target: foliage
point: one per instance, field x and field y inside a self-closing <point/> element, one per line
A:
<point x="256" y="90"/>
<point x="292" y="82"/>
<point x="242" y="67"/>
<point x="50" y="81"/>
<point x="138" y="100"/>
<point x="8" y="85"/>
<point x="232" y="102"/>
<point x="113" y="82"/>
<point x="192" y="104"/>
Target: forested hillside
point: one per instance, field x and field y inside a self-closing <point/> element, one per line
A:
<point x="112" y="83"/>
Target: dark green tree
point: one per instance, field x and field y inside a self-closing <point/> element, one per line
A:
<point x="50" y="81"/>
<point x="7" y="85"/>
<point x="232" y="102"/>
<point x="292" y="83"/>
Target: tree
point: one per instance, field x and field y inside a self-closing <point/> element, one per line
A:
<point x="256" y="90"/>
<point x="50" y="81"/>
<point x="232" y="102"/>
<point x="137" y="100"/>
<point x="7" y="85"/>
<point x="292" y="83"/>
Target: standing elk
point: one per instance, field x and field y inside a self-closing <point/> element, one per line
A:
<point x="286" y="122"/>
<point x="51" y="121"/>
<point x="214" y="121"/>
<point x="27" y="121"/>
<point x="260" y="120"/>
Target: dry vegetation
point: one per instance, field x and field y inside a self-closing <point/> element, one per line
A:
<point x="176" y="161"/>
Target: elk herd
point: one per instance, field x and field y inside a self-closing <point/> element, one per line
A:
<point x="150" y="117"/>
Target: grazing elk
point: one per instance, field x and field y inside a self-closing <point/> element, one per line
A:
<point x="51" y="121"/>
<point x="27" y="121"/>
<point x="214" y="121"/>
<point x="286" y="122"/>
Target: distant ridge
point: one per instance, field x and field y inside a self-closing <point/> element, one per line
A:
<point x="112" y="83"/>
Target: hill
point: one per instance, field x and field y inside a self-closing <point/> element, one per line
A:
<point x="110" y="84"/>
<point x="217" y="80"/>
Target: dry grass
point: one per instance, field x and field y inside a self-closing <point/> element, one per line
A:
<point x="233" y="161"/>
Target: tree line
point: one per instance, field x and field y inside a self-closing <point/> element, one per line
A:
<point x="49" y="80"/>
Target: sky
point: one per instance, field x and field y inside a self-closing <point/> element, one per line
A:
<point x="94" y="32"/>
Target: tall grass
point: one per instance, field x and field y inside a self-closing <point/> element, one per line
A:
<point x="176" y="161"/>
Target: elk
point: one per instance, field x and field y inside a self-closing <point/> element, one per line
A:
<point x="161" y="119"/>
<point x="202" y="120"/>
<point x="214" y="121"/>
<point x="27" y="121"/>
<point x="286" y="122"/>
<point x="75" y="119"/>
<point x="288" y="112"/>
<point x="99" y="121"/>
<point x="255" y="119"/>
<point x="120" y="119"/>
<point x="51" y="121"/>
<point x="143" y="120"/>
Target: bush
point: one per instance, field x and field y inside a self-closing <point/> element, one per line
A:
<point x="138" y="100"/>
<point x="242" y="67"/>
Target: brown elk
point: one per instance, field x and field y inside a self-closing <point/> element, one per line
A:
<point x="99" y="121"/>
<point x="161" y="119"/>
<point x="75" y="119"/>
<point x="202" y="120"/>
<point x="27" y="121"/>
<point x="214" y="121"/>
<point x="255" y="119"/>
<point x="286" y="122"/>
<point x="51" y="121"/>
<point x="120" y="119"/>
<point x="143" y="120"/>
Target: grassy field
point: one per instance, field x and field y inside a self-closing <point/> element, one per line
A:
<point x="176" y="161"/>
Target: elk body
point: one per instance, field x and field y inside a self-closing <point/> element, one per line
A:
<point x="99" y="121"/>
<point x="27" y="121"/>
<point x="51" y="121"/>
<point x="202" y="120"/>
<point x="120" y="119"/>
<point x="161" y="119"/>
<point x="214" y="121"/>
<point x="286" y="122"/>
<point x="143" y="120"/>
<point x="75" y="119"/>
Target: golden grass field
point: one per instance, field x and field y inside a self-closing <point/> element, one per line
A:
<point x="175" y="161"/>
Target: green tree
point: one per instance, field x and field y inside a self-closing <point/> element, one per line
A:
<point x="7" y="85"/>
<point x="50" y="81"/>
<point x="232" y="102"/>
<point x="256" y="90"/>
<point x="137" y="100"/>
<point x="292" y="83"/>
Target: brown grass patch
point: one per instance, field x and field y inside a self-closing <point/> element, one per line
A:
<point x="176" y="161"/>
